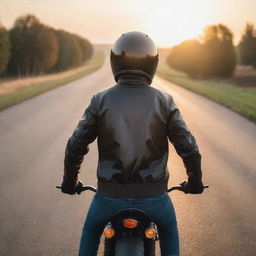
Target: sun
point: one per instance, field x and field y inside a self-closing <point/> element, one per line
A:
<point x="171" y="22"/>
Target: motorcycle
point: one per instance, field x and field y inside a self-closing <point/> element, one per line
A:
<point x="130" y="231"/>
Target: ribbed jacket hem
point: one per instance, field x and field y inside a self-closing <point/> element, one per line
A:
<point x="132" y="190"/>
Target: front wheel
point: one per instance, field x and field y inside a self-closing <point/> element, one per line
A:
<point x="127" y="246"/>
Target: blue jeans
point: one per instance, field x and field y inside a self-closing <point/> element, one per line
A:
<point x="103" y="207"/>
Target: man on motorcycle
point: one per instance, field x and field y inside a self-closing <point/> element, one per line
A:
<point x="132" y="122"/>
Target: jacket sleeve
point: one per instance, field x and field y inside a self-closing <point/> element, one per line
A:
<point x="184" y="143"/>
<point x="77" y="146"/>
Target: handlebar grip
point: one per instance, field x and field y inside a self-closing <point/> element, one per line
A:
<point x="180" y="188"/>
<point x="91" y="188"/>
<point x="174" y="188"/>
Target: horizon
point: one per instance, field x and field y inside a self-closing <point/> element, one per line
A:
<point x="186" y="19"/>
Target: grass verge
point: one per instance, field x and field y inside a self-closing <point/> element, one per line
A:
<point x="240" y="100"/>
<point x="25" y="93"/>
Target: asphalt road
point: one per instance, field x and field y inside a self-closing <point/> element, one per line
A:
<point x="36" y="219"/>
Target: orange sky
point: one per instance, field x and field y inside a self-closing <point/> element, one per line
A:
<point x="168" y="22"/>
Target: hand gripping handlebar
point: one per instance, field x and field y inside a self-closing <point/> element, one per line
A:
<point x="93" y="189"/>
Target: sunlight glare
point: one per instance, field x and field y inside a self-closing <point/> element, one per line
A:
<point x="171" y="22"/>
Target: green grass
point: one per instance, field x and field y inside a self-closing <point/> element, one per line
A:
<point x="93" y="64"/>
<point x="240" y="100"/>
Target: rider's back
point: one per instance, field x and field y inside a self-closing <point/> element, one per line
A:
<point x="132" y="122"/>
<point x="132" y="137"/>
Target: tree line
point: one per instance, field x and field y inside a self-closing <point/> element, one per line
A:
<point x="214" y="54"/>
<point x="247" y="46"/>
<point x="31" y="48"/>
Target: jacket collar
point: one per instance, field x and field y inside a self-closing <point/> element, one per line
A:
<point x="132" y="82"/>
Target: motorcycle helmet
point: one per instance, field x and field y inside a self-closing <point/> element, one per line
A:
<point x="134" y="53"/>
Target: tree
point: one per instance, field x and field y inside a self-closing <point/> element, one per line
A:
<point x="44" y="47"/>
<point x="219" y="52"/>
<point x="34" y="47"/>
<point x="70" y="53"/>
<point x="247" y="46"/>
<point x="26" y="21"/>
<point x="4" y="48"/>
<point x="187" y="57"/>
<point x="213" y="56"/>
<point x="86" y="48"/>
<point x="37" y="48"/>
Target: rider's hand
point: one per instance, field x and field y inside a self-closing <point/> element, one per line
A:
<point x="192" y="188"/>
<point x="71" y="189"/>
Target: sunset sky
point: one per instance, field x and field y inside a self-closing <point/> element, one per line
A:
<point x="168" y="22"/>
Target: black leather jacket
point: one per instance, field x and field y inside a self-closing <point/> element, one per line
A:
<point x="132" y="122"/>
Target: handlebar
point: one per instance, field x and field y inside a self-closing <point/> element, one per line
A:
<point x="93" y="189"/>
<point x="180" y="188"/>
